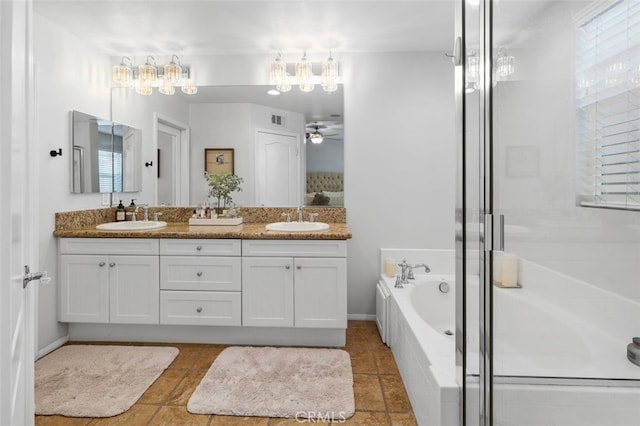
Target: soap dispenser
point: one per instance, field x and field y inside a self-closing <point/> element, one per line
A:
<point x="121" y="215"/>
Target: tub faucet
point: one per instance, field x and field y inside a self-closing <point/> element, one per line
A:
<point x="410" y="275"/>
<point x="300" y="213"/>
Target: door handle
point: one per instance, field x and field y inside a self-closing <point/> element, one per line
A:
<point x="32" y="276"/>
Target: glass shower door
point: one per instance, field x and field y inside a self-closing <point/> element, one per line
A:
<point x="563" y="123"/>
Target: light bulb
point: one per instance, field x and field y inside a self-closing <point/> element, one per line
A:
<point x="122" y="74"/>
<point x="304" y="74"/>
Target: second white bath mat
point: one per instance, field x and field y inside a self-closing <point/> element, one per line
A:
<point x="277" y="382"/>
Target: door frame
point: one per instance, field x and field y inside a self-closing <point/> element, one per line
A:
<point x="181" y="160"/>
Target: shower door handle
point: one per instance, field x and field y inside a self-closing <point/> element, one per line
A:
<point x="494" y="233"/>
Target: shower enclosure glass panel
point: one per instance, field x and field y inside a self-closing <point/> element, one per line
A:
<point x="564" y="107"/>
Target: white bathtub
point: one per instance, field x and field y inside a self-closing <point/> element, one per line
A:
<point x="552" y="365"/>
<point x="421" y="322"/>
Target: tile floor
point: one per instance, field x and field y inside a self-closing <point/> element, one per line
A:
<point x="380" y="396"/>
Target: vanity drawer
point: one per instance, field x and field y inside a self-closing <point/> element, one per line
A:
<point x="200" y="273"/>
<point x="200" y="308"/>
<point x="295" y="248"/>
<point x="200" y="247"/>
<point x="138" y="246"/>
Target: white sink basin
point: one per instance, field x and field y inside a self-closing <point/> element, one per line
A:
<point x="297" y="226"/>
<point x="138" y="225"/>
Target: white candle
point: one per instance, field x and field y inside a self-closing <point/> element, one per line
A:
<point x="509" y="270"/>
<point x="497" y="267"/>
<point x="390" y="267"/>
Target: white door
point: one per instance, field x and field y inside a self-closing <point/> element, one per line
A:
<point x="17" y="328"/>
<point x="277" y="169"/>
<point x="172" y="161"/>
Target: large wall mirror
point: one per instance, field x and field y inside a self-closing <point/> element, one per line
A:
<point x="250" y="121"/>
<point x="105" y="155"/>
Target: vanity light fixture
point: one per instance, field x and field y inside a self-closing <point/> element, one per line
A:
<point x="303" y="74"/>
<point x="122" y="74"/>
<point x="147" y="76"/>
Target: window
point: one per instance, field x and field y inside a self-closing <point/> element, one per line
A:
<point x="608" y="107"/>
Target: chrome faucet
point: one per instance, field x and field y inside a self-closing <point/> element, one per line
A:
<point x="406" y="271"/>
<point x="145" y="207"/>
<point x="410" y="275"/>
<point x="300" y="213"/>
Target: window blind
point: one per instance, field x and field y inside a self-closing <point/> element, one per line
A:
<point x="608" y="107"/>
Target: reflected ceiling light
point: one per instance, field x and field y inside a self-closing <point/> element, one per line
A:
<point x="330" y="75"/>
<point x="189" y="87"/>
<point x="504" y="64"/>
<point x="278" y="74"/>
<point x="273" y="92"/>
<point x="304" y="74"/>
<point x="316" y="137"/>
<point x="147" y="76"/>
<point x="122" y="74"/>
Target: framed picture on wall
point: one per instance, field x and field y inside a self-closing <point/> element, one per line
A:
<point x="218" y="160"/>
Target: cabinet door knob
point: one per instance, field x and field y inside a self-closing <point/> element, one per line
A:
<point x="112" y="264"/>
<point x="199" y="248"/>
<point x="298" y="267"/>
<point x="101" y="264"/>
<point x="199" y="309"/>
<point x="287" y="267"/>
<point x="199" y="274"/>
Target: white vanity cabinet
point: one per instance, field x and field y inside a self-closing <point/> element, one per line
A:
<point x="109" y="280"/>
<point x="294" y="283"/>
<point x="200" y="282"/>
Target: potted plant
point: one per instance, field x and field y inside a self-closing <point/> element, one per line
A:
<point x="220" y="186"/>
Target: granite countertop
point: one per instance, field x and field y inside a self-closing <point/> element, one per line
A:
<point x="82" y="224"/>
<point x="246" y="231"/>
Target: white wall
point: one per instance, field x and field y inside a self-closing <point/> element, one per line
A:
<point x="327" y="156"/>
<point x="399" y="161"/>
<point x="399" y="148"/>
<point x="536" y="167"/>
<point x="70" y="75"/>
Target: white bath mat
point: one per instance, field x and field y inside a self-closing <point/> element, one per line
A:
<point x="277" y="382"/>
<point x="97" y="380"/>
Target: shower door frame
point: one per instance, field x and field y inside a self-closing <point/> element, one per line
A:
<point x="490" y="235"/>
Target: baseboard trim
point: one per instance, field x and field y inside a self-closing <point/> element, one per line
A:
<point x="53" y="346"/>
<point x="361" y="317"/>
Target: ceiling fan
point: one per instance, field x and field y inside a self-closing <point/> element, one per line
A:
<point x="315" y="136"/>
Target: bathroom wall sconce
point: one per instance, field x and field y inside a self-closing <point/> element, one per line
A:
<point x="303" y="75"/>
<point x="55" y="153"/>
<point x="145" y="77"/>
<point x="148" y="164"/>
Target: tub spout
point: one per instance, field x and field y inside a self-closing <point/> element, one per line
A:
<point x="410" y="275"/>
